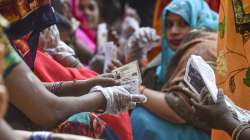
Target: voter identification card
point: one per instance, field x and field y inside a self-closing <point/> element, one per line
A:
<point x="129" y="76"/>
<point x="128" y="72"/>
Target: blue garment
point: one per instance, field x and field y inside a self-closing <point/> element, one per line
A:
<point x="147" y="126"/>
<point x="196" y="13"/>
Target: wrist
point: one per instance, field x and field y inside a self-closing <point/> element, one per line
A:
<point x="142" y="89"/>
<point x="230" y="124"/>
<point x="103" y="97"/>
<point x="103" y="104"/>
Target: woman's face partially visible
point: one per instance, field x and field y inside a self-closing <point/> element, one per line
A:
<point x="90" y="10"/>
<point x="65" y="10"/>
<point x="176" y="29"/>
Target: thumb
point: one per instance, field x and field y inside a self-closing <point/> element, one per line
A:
<point x="138" y="98"/>
<point x="107" y="75"/>
<point x="110" y="82"/>
<point x="132" y="105"/>
<point x="198" y="107"/>
<point x="116" y="62"/>
<point x="105" y="82"/>
<point x="220" y="96"/>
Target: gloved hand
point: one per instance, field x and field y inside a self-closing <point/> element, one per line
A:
<point x="142" y="41"/>
<point x="49" y="37"/>
<point x="119" y="99"/>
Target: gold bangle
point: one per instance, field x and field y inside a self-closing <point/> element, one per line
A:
<point x="235" y="131"/>
<point x="241" y="130"/>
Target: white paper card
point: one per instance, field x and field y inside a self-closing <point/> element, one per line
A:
<point x="110" y="53"/>
<point x="130" y="76"/>
<point x="200" y="77"/>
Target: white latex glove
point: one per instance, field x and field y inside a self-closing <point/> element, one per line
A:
<point x="49" y="37"/>
<point x="129" y="26"/>
<point x="142" y="41"/>
<point x="50" y="42"/>
<point x="119" y="99"/>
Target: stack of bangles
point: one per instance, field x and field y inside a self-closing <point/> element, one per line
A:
<point x="142" y="88"/>
<point x="239" y="130"/>
<point x="55" y="87"/>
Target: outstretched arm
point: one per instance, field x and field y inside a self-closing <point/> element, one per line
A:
<point x="79" y="87"/>
<point x="6" y="133"/>
<point x="219" y="116"/>
<point x="44" y="108"/>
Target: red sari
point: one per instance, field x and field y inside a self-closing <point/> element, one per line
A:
<point x="49" y="70"/>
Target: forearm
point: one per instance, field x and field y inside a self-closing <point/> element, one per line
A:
<point x="230" y="125"/>
<point x="53" y="110"/>
<point x="157" y="104"/>
<point x="26" y="93"/>
<point x="65" y="107"/>
<point x="70" y="61"/>
<point x="69" y="88"/>
<point x="42" y="107"/>
<point x="83" y="53"/>
<point x="6" y="133"/>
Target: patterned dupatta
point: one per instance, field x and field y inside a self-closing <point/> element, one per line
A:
<point x="28" y="18"/>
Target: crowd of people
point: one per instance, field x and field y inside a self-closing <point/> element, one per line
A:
<point x="56" y="83"/>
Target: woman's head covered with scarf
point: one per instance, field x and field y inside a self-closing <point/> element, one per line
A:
<point x="179" y="17"/>
<point x="28" y="19"/>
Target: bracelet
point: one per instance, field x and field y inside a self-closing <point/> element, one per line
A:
<point x="56" y="87"/>
<point x="240" y="131"/>
<point x="142" y="88"/>
<point x="40" y="136"/>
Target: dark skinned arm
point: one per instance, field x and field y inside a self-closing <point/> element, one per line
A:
<point x="156" y="103"/>
<point x="29" y="95"/>
<point x="218" y="116"/>
<point x="82" y="52"/>
<point x="6" y="132"/>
